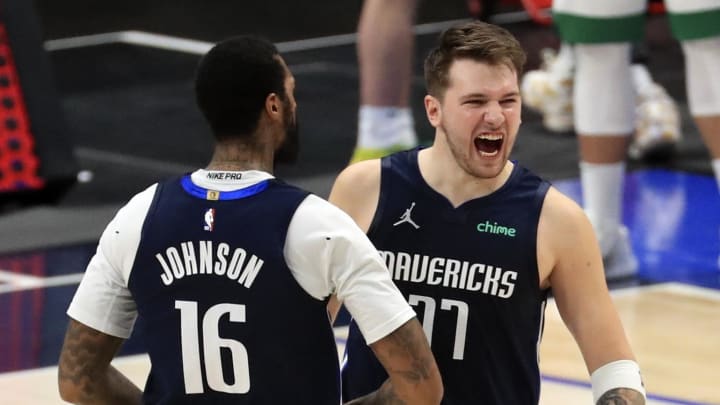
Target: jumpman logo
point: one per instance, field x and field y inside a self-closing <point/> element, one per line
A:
<point x="406" y="217"/>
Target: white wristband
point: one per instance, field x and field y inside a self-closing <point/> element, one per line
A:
<point x="616" y="374"/>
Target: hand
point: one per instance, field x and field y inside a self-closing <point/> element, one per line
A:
<point x="621" y="396"/>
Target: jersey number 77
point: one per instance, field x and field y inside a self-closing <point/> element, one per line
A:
<point x="445" y="305"/>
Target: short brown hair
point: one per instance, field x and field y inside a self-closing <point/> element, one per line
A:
<point x="474" y="40"/>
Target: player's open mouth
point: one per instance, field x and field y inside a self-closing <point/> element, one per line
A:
<point x="488" y="144"/>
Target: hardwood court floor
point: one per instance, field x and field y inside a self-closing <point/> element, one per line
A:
<point x="674" y="330"/>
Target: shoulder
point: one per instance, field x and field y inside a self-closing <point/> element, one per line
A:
<point x="561" y="212"/>
<point x="357" y="190"/>
<point x="316" y="208"/>
<point x="136" y="208"/>
<point x="318" y="218"/>
<point x="563" y="225"/>
<point x="566" y="240"/>
<point x="360" y="175"/>
<point x="122" y="234"/>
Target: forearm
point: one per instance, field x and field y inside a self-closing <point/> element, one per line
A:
<point x="621" y="396"/>
<point x="384" y="395"/>
<point x="413" y="374"/>
<point x="110" y="387"/>
<point x="85" y="375"/>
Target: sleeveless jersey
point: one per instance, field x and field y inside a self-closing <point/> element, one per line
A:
<point x="223" y="318"/>
<point x="471" y="274"/>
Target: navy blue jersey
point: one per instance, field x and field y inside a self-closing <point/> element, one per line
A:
<point x="471" y="274"/>
<point x="213" y="294"/>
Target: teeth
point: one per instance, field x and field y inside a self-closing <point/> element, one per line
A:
<point x="489" y="154"/>
<point x="490" y="137"/>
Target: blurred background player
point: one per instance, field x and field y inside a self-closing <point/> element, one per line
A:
<point x="549" y="91"/>
<point x="608" y="93"/>
<point x="385" y="48"/>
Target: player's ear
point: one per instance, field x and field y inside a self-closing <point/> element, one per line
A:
<point x="433" y="110"/>
<point x="273" y="107"/>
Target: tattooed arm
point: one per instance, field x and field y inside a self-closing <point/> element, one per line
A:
<point x="413" y="375"/>
<point x="85" y="375"/>
<point x="385" y="395"/>
<point x="622" y="396"/>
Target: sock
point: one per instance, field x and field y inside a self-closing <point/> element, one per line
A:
<point x="384" y="127"/>
<point x="602" y="188"/>
<point x="716" y="169"/>
<point x="641" y="80"/>
<point x="565" y="60"/>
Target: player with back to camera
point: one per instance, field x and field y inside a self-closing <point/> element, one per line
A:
<point x="228" y="269"/>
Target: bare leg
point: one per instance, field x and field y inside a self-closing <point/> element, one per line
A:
<point x="603" y="149"/>
<point x="709" y="127"/>
<point x="604" y="119"/>
<point x="385" y="49"/>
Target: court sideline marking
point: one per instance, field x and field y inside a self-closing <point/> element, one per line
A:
<point x="12" y="282"/>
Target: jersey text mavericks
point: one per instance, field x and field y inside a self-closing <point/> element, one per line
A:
<point x="451" y="273"/>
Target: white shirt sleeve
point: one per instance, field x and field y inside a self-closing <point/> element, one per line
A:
<point x="102" y="300"/>
<point x="328" y="253"/>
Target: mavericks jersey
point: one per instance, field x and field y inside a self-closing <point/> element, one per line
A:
<point x="213" y="294"/>
<point x="471" y="274"/>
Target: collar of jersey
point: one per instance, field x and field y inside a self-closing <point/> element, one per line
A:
<point x="201" y="192"/>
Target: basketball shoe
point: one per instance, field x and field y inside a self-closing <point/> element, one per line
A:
<point x="618" y="258"/>
<point x="548" y="90"/>
<point x="657" y="119"/>
<point x="382" y="131"/>
<point x="360" y="154"/>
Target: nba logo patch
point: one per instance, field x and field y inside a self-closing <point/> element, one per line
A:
<point x="209" y="220"/>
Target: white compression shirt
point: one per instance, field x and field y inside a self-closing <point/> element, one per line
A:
<point x="325" y="250"/>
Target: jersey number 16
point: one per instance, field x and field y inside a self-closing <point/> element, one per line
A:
<point x="212" y="344"/>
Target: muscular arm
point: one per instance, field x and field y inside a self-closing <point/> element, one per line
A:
<point x="570" y="255"/>
<point x="357" y="190"/>
<point x="85" y="375"/>
<point x="383" y="396"/>
<point x="413" y="375"/>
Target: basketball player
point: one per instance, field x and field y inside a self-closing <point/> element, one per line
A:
<point x="475" y="242"/>
<point x="227" y="271"/>
<point x="604" y="101"/>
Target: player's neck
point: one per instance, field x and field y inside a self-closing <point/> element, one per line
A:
<point x="240" y="157"/>
<point x="447" y="178"/>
